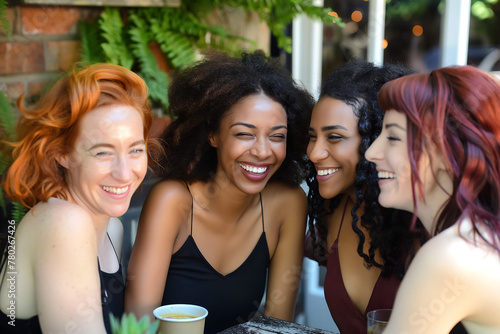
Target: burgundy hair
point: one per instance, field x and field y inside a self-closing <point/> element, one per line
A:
<point x="457" y="110"/>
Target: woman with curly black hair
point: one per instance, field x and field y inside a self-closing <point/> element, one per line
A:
<point x="349" y="232"/>
<point x="229" y="209"/>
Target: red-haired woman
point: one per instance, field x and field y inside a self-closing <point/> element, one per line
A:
<point x="81" y="154"/>
<point x="438" y="156"/>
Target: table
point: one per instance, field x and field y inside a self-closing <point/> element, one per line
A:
<point x="268" y="325"/>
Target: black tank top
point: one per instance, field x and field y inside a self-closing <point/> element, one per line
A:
<point x="112" y="293"/>
<point x="230" y="299"/>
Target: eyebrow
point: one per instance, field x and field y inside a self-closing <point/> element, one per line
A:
<point x="138" y="142"/>
<point x="248" y="125"/>
<point x="390" y="125"/>
<point x="331" y="127"/>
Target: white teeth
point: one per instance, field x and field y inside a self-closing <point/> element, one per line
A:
<point x="113" y="190"/>
<point x="322" y="172"/>
<point x="386" y="175"/>
<point x="257" y="170"/>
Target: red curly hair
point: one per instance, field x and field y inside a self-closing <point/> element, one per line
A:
<point x="50" y="129"/>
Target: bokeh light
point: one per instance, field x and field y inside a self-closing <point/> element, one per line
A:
<point x="356" y="16"/>
<point x="417" y="30"/>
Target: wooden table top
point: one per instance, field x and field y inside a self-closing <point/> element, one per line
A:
<point x="266" y="325"/>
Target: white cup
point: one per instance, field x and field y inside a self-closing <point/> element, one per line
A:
<point x="181" y="318"/>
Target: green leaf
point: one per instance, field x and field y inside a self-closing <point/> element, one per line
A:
<point x="90" y="35"/>
<point x="182" y="31"/>
<point x="115" y="45"/>
<point x="18" y="212"/>
<point x="128" y="324"/>
<point x="156" y="79"/>
<point x="4" y="23"/>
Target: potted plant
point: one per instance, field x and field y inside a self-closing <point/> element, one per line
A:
<point x="128" y="324"/>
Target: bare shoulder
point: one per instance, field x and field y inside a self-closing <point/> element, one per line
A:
<point x="58" y="228"/>
<point x="286" y="206"/>
<point x="447" y="251"/>
<point x="170" y="191"/>
<point x="453" y="257"/>
<point x="458" y="250"/>
<point x="167" y="205"/>
<point x="59" y="216"/>
<point x="281" y="192"/>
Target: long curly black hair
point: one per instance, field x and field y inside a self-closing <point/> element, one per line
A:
<point x="357" y="83"/>
<point x="201" y="95"/>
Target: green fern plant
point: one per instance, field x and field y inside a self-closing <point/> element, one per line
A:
<point x="276" y="13"/>
<point x="18" y="211"/>
<point x="91" y="40"/>
<point x="115" y="48"/>
<point x="130" y="325"/>
<point x="8" y="119"/>
<point x="7" y="122"/>
<point x="181" y="32"/>
<point x="4" y="23"/>
<point x="156" y="79"/>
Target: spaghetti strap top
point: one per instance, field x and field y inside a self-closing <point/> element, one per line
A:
<point x="261" y="212"/>
<point x="345" y="314"/>
<point x="230" y="299"/>
<point x="112" y="292"/>
<point x="343" y="311"/>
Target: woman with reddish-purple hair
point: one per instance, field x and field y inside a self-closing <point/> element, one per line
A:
<point x="438" y="156"/>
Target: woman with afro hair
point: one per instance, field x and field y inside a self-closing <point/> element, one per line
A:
<point x="228" y="217"/>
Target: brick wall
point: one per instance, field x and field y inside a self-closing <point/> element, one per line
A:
<point x="44" y="41"/>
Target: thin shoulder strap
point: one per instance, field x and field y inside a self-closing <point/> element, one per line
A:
<point x="343" y="215"/>
<point x="111" y="242"/>
<point x="2" y="264"/>
<point x="261" y="211"/>
<point x="192" y="200"/>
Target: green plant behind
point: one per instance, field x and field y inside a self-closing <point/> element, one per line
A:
<point x="7" y="123"/>
<point x="8" y="118"/>
<point x="4" y="23"/>
<point x="91" y="40"/>
<point x="156" y="79"/>
<point x="123" y="35"/>
<point x="115" y="46"/>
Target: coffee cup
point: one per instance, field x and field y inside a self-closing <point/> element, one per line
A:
<point x="181" y="318"/>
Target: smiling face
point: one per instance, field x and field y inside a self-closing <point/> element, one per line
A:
<point x="251" y="142"/>
<point x="333" y="146"/>
<point x="108" y="161"/>
<point x="389" y="152"/>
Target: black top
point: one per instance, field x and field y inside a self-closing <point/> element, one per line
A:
<point x="21" y="326"/>
<point x="112" y="295"/>
<point x="230" y="299"/>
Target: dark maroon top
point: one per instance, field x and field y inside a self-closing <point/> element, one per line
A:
<point x="345" y="314"/>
